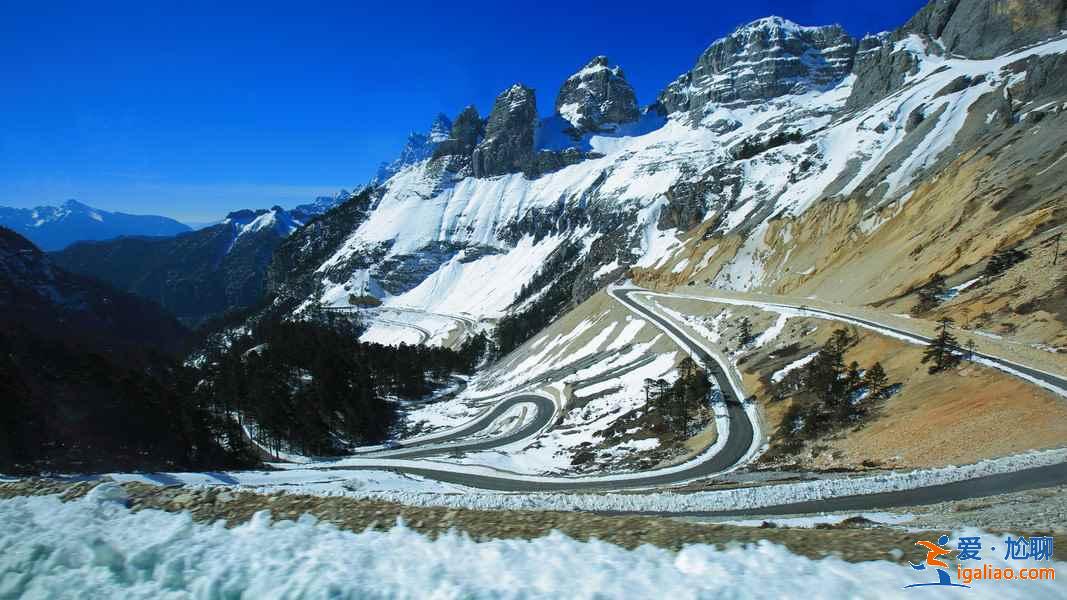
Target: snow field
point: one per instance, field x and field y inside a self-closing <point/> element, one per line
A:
<point x="95" y="547"/>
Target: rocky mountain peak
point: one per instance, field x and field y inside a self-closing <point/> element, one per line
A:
<point x="466" y="132"/>
<point x="419" y="147"/>
<point x="321" y="204"/>
<point x="245" y="214"/>
<point x="468" y="127"/>
<point x="595" y="95"/>
<point x="72" y="204"/>
<point x="762" y="60"/>
<point x="509" y="133"/>
<point x="516" y="97"/>
<point x="440" y="129"/>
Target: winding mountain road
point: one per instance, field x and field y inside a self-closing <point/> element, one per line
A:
<point x="738" y="443"/>
<point x="740" y="438"/>
<point x="445" y="443"/>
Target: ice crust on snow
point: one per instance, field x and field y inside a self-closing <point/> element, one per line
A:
<point x="89" y="548"/>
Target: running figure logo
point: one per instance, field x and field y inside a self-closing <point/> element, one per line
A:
<point x="933" y="559"/>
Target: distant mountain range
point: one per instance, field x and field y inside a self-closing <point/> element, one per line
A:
<point x="196" y="274"/>
<point x="56" y="227"/>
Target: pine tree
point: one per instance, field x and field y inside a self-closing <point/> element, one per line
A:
<point x="841" y="340"/>
<point x="683" y="407"/>
<point x="875" y="381"/>
<point x="943" y="350"/>
<point x="687" y="367"/>
<point x="744" y="336"/>
<point x="930" y="295"/>
<point x="853" y="378"/>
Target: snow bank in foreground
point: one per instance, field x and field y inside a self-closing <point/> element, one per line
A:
<point x="714" y="501"/>
<point x="95" y="547"/>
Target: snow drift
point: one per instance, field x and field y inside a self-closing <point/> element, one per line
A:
<point x="95" y="547"/>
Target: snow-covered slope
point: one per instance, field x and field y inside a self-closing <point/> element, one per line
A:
<point x="56" y="227"/>
<point x="768" y="125"/>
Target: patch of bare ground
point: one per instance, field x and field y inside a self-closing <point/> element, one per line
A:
<point x="964" y="415"/>
<point x="857" y="540"/>
<point x="960" y="416"/>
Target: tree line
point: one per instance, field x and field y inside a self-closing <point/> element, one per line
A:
<point x="312" y="387"/>
<point x="71" y="405"/>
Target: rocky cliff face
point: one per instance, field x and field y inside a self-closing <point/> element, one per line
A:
<point x="509" y="134"/>
<point x="467" y="130"/>
<point x="765" y="59"/>
<point x="982" y="29"/>
<point x="514" y="139"/>
<point x="973" y="29"/>
<point x="596" y="95"/>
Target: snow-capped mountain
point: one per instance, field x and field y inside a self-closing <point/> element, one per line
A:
<point x="276" y="220"/>
<point x="55" y="227"/>
<point x="597" y="95"/>
<point x="305" y="212"/>
<point x="790" y="158"/>
<point x="419" y="147"/>
<point x="762" y="60"/>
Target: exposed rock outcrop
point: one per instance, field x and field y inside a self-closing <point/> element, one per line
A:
<point x="595" y="95"/>
<point x="467" y="131"/>
<point x="976" y="29"/>
<point x="986" y="28"/>
<point x="509" y="134"/>
<point x="765" y="59"/>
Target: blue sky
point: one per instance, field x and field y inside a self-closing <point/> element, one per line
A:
<point x="191" y="109"/>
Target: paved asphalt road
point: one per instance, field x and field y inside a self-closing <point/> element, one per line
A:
<point x="989" y="485"/>
<point x="443" y="445"/>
